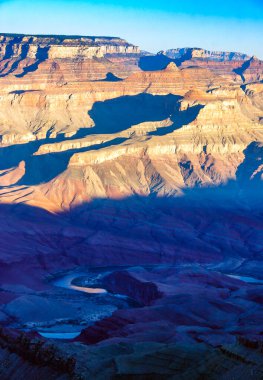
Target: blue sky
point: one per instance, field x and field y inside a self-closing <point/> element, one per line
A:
<point x="233" y="25"/>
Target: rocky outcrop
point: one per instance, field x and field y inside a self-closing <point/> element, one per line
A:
<point x="153" y="171"/>
<point x="31" y="356"/>
<point x="61" y="47"/>
<point x="126" y="283"/>
<point x="48" y="112"/>
<point x="201" y="144"/>
<point x="198" y="138"/>
<point x="234" y="66"/>
<point x="56" y="60"/>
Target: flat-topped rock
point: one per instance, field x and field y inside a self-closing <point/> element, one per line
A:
<point x="33" y="46"/>
<point x="199" y="53"/>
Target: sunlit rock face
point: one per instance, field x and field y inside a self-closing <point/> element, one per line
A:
<point x="77" y="129"/>
<point x="148" y="169"/>
<point x="40" y="61"/>
<point x="71" y="136"/>
<point x="174" y="142"/>
<point x="219" y="56"/>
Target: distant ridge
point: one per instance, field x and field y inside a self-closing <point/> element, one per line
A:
<point x="61" y="36"/>
<point x="200" y="53"/>
<point x="64" y="40"/>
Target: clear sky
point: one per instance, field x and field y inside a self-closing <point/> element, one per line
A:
<point x="232" y="25"/>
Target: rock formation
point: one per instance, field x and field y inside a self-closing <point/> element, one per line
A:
<point x="234" y="66"/>
<point x="198" y="53"/>
<point x="148" y="170"/>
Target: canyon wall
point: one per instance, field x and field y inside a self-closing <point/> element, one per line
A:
<point x="147" y="169"/>
<point x="86" y="108"/>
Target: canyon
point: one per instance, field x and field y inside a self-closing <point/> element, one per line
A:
<point x="139" y="176"/>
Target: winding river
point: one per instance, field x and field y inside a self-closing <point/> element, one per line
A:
<point x="66" y="282"/>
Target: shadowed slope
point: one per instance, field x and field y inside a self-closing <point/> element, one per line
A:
<point x="41" y="56"/>
<point x="43" y="168"/>
<point x="111" y="116"/>
<point x="241" y="70"/>
<point x="251" y="170"/>
<point x="179" y="119"/>
<point x="116" y="115"/>
<point x="14" y="66"/>
<point x="160" y="61"/>
<point x="161" y="198"/>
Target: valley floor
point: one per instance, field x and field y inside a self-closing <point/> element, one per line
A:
<point x="188" y="304"/>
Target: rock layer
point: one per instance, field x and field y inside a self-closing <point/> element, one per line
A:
<point x="149" y="166"/>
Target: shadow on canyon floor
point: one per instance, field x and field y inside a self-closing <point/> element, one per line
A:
<point x="179" y="118"/>
<point x="179" y="253"/>
<point x="119" y="114"/>
<point x="43" y="168"/>
<point x="203" y="226"/>
<point x="112" y="116"/>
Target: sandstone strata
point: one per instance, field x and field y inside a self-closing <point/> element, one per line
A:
<point x="158" y="172"/>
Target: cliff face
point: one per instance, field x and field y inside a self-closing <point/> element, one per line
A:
<point x="58" y="59"/>
<point x="196" y="53"/>
<point x="182" y="126"/>
<point x="234" y="66"/>
<point x="131" y="159"/>
<point x="62" y="47"/>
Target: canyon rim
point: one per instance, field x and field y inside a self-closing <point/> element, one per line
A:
<point x="131" y="212"/>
